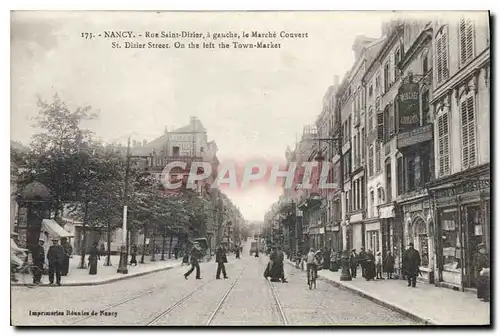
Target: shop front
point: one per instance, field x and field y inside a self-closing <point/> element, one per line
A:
<point x="462" y="211"/>
<point x="357" y="231"/>
<point x="419" y="230"/>
<point x="392" y="234"/>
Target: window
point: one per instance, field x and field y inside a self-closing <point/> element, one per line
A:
<point x="425" y="107"/>
<point x="175" y="150"/>
<point x="443" y="144"/>
<point x="354" y="151"/>
<point x="370" y="91"/>
<point x="386" y="77"/>
<point x="401" y="175"/>
<point x="372" y="204"/>
<point x="468" y="132"/>
<point x="466" y="33"/>
<point x="373" y="241"/>
<point x="363" y="143"/>
<point x="388" y="178"/>
<point x="377" y="84"/>
<point x="370" y="160"/>
<point x="380" y="125"/>
<point x="442" y="55"/>
<point x="377" y="158"/>
<point x="380" y="192"/>
<point x="362" y="193"/>
<point x="421" y="240"/>
<point x="425" y="65"/>
<point x="411" y="173"/>
<point x="370" y="119"/>
<point x="397" y="59"/>
<point x="387" y="112"/>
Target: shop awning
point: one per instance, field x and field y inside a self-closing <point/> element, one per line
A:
<point x="54" y="230"/>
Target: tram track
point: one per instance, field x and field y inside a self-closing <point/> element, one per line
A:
<point x="277" y="301"/>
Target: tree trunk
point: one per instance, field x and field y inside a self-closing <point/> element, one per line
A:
<point x="144" y="244"/>
<point x="170" y="247"/>
<point x="163" y="247"/>
<point x="152" y="245"/>
<point x="108" y="252"/>
<point x="84" y="240"/>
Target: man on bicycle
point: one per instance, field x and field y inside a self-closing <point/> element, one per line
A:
<point x="313" y="259"/>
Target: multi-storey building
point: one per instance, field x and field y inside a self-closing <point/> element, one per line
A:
<point x="461" y="112"/>
<point x="351" y="100"/>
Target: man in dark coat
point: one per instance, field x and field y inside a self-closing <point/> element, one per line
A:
<point x="411" y="264"/>
<point x="55" y="256"/>
<point x="362" y="260"/>
<point x="353" y="263"/>
<point x="38" y="261"/>
<point x="326" y="258"/>
<point x="221" y="259"/>
<point x="68" y="251"/>
<point x="281" y="264"/>
<point x="196" y="256"/>
<point x="481" y="265"/>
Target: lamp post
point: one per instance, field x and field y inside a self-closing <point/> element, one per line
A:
<point x="122" y="268"/>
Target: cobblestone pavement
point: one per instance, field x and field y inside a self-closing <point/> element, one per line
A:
<point x="166" y="298"/>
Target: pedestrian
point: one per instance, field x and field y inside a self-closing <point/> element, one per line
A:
<point x="68" y="251"/>
<point x="38" y="261"/>
<point x="55" y="256"/>
<point x="272" y="270"/>
<point x="411" y="264"/>
<point x="237" y="251"/>
<point x="326" y="258"/>
<point x="370" y="271"/>
<point x="185" y="258"/>
<point x="281" y="264"/>
<point x="133" y="255"/>
<point x="176" y="252"/>
<point x="17" y="256"/>
<point x="196" y="255"/>
<point x="102" y="250"/>
<point x="221" y="259"/>
<point x="353" y="262"/>
<point x="362" y="260"/>
<point x="389" y="265"/>
<point x="482" y="273"/>
<point x="378" y="265"/>
<point x="94" y="256"/>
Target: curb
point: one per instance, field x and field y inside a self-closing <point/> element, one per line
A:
<point x="96" y="283"/>
<point x="386" y="304"/>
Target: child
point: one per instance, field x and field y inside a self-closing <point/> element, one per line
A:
<point x="378" y="265"/>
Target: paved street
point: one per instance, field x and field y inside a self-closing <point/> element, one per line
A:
<point x="165" y="298"/>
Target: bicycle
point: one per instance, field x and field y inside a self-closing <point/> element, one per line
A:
<point x="312" y="275"/>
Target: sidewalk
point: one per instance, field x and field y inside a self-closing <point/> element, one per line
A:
<point x="105" y="274"/>
<point x="425" y="303"/>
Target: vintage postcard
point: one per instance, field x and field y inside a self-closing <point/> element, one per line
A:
<point x="279" y="168"/>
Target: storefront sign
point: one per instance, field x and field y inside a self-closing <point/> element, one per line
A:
<point x="415" y="136"/>
<point x="409" y="107"/>
<point x="464" y="187"/>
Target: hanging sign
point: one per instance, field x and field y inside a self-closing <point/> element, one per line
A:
<point x="409" y="107"/>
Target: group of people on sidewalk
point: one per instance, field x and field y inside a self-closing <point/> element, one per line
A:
<point x="373" y="267"/>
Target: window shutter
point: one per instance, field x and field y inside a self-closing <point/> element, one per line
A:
<point x="438" y="60"/>
<point x="443" y="145"/>
<point x="468" y="133"/>
<point x="466" y="40"/>
<point x="444" y="50"/>
<point x="380" y="126"/>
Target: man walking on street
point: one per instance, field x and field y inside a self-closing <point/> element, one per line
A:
<point x="221" y="259"/>
<point x="353" y="263"/>
<point x="55" y="257"/>
<point x="195" y="261"/>
<point x="411" y="263"/>
<point x="38" y="261"/>
<point x="362" y="256"/>
<point x="280" y="263"/>
<point x="68" y="251"/>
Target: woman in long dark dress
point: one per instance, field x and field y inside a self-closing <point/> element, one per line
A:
<point x="370" y="266"/>
<point x="389" y="265"/>
<point x="94" y="256"/>
<point x="133" y="254"/>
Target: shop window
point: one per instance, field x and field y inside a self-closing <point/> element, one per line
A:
<point x="468" y="122"/>
<point x="421" y="241"/>
<point x="466" y="33"/>
<point x="372" y="238"/>
<point x="451" y="240"/>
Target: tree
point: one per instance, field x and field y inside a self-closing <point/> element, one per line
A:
<point x="55" y="154"/>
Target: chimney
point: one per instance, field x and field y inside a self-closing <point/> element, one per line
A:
<point x="336" y="80"/>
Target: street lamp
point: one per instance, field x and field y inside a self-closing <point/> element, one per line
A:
<point x="122" y="268"/>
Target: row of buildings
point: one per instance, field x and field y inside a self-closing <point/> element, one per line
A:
<point x="407" y="131"/>
<point x="187" y="144"/>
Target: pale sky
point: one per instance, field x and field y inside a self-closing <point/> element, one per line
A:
<point x="253" y="102"/>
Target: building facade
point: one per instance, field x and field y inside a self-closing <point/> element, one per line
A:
<point x="460" y="194"/>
